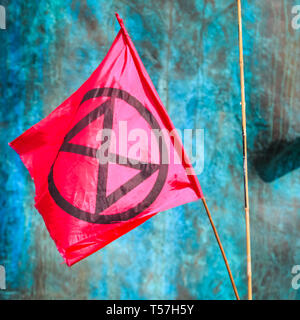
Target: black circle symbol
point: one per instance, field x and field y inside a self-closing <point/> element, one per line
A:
<point x="145" y="169"/>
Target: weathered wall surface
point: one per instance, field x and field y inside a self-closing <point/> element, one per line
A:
<point x="190" y="51"/>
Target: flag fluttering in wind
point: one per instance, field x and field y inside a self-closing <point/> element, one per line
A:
<point x="104" y="162"/>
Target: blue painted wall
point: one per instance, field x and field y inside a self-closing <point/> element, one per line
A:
<point x="190" y="51"/>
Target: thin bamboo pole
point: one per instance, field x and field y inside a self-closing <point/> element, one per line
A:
<point x="243" y="103"/>
<point x="221" y="248"/>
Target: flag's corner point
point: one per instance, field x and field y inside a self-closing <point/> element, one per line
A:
<point x="120" y="20"/>
<point x="11" y="143"/>
<point x="66" y="262"/>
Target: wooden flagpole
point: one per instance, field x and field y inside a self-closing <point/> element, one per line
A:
<point x="221" y="248"/>
<point x="243" y="103"/>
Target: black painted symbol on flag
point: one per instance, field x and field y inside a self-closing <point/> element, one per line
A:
<point x="103" y="201"/>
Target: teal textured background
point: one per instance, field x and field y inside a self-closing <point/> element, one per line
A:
<point x="190" y="50"/>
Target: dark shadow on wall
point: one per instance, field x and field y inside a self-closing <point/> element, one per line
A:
<point x="278" y="159"/>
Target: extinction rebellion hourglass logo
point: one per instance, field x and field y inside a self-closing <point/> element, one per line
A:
<point x="143" y="170"/>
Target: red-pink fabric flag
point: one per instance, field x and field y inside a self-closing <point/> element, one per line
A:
<point x="103" y="162"/>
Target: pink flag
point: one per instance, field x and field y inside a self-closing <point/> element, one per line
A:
<point x="103" y="162"/>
